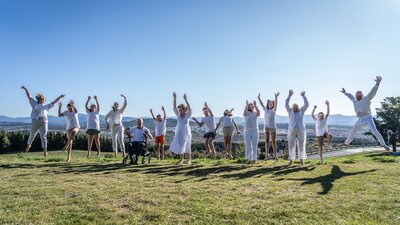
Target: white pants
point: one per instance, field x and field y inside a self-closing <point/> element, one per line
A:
<point x="117" y="137"/>
<point x="38" y="125"/>
<point x="362" y="122"/>
<point x="299" y="136"/>
<point x="251" y="142"/>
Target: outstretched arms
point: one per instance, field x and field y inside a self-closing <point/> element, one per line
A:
<point x="26" y="92"/>
<point x="328" y="110"/>
<point x="198" y="123"/>
<point x="313" y="112"/>
<point x="236" y="127"/>
<point x="59" y="109"/>
<point x="152" y="114"/>
<point x="259" y="100"/>
<point x="276" y="100"/>
<point x="374" y="90"/>
<point x="350" y="96"/>
<point x="125" y="103"/>
<point x="216" y="128"/>
<point x="306" y="104"/>
<point x="287" y="106"/>
<point x="57" y="99"/>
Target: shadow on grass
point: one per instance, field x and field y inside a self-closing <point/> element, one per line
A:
<point x="328" y="180"/>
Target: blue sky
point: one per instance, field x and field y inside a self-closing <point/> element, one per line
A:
<point x="223" y="52"/>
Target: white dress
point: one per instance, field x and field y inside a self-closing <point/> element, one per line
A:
<point x="181" y="143"/>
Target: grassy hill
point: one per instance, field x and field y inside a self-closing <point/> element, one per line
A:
<point x="361" y="189"/>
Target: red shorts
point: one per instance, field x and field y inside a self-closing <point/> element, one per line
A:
<point x="160" y="139"/>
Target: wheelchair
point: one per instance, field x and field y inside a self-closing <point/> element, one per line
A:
<point x="145" y="153"/>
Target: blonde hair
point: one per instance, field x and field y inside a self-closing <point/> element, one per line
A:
<point x="40" y="96"/>
<point x="183" y="106"/>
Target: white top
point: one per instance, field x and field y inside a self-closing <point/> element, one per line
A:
<point x="160" y="127"/>
<point x="321" y="126"/>
<point x="93" y="121"/>
<point x="115" y="117"/>
<point x="182" y="140"/>
<point x="296" y="119"/>
<point x="138" y="134"/>
<point x="209" y="121"/>
<point x="227" y="121"/>
<point x="39" y="110"/>
<point x="269" y="118"/>
<point x="363" y="107"/>
<point x="72" y="119"/>
<point x="250" y="122"/>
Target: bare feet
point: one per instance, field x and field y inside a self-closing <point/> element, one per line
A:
<point x="290" y="162"/>
<point x="387" y="148"/>
<point x="27" y="149"/>
<point x="301" y="162"/>
<point x="88" y="155"/>
<point x="180" y="162"/>
<point x="189" y="162"/>
<point x="343" y="145"/>
<point x="45" y="153"/>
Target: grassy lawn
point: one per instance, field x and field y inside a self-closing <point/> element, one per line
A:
<point x="360" y="189"/>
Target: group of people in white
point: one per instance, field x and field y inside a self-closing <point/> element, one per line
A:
<point x="181" y="142"/>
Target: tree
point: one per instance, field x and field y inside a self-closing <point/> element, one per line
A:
<point x="388" y="119"/>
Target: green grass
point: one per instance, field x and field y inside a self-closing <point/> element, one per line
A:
<point x="360" y="189"/>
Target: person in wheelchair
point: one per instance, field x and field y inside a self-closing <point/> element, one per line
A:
<point x="138" y="141"/>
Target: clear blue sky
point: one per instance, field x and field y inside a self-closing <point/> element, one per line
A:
<point x="223" y="52"/>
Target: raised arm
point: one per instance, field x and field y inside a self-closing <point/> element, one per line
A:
<point x="152" y="114"/>
<point x="287" y="106"/>
<point x="306" y="104"/>
<point x="350" y="96"/>
<point x="208" y="108"/>
<point x="60" y="114"/>
<point x="187" y="102"/>
<point x="313" y="112"/>
<point x="374" y="90"/>
<point x="26" y="92"/>
<point x="276" y="100"/>
<point x="257" y="110"/>
<point x="246" y="109"/>
<point x="165" y="114"/>
<point x="97" y="103"/>
<point x="125" y="103"/>
<point x="261" y="102"/>
<point x="73" y="106"/>
<point x="328" y="108"/>
<point x="87" y="104"/>
<point x="57" y="99"/>
<point x="174" y="96"/>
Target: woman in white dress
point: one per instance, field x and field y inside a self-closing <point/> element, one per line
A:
<point x="251" y="136"/>
<point x="182" y="141"/>
<point x="72" y="125"/>
<point x="39" y="118"/>
<point x="93" y="125"/>
<point x="270" y="124"/>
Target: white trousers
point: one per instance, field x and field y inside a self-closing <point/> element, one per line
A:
<point x="117" y="137"/>
<point x="40" y="126"/>
<point x="251" y="142"/>
<point x="362" y="122"/>
<point x="296" y="136"/>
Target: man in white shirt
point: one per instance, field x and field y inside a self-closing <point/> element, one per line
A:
<point x="160" y="125"/>
<point x="362" y="107"/>
<point x="138" y="138"/>
<point x="114" y="121"/>
<point x="209" y="136"/>
<point x="297" y="128"/>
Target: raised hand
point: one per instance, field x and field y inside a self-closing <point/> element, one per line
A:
<point x="95" y="97"/>
<point x="62" y="96"/>
<point x="88" y="97"/>
<point x="23" y="87"/>
<point x="123" y="96"/>
<point x="247" y="102"/>
<point x="205" y="104"/>
<point x="60" y="104"/>
<point x="315" y="106"/>
<point x="174" y="94"/>
<point x="185" y="96"/>
<point x="254" y="102"/>
<point x="151" y="110"/>
<point x="343" y="91"/>
<point x="327" y="102"/>
<point x="71" y="102"/>
<point x="378" y="79"/>
<point x="277" y="94"/>
<point x="291" y="92"/>
<point x="259" y="95"/>
<point x="303" y="93"/>
<point x="162" y="108"/>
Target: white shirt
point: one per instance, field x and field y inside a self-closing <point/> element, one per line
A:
<point x="363" y="107"/>
<point x="72" y="119"/>
<point x="39" y="110"/>
<point x="93" y="121"/>
<point x="296" y="119"/>
<point x="115" y="117"/>
<point x="209" y="121"/>
<point x="321" y="126"/>
<point x="160" y="127"/>
<point x="269" y="118"/>
<point x="138" y="134"/>
<point x="251" y="123"/>
<point x="227" y="121"/>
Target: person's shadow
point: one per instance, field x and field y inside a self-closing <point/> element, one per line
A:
<point x="328" y="180"/>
